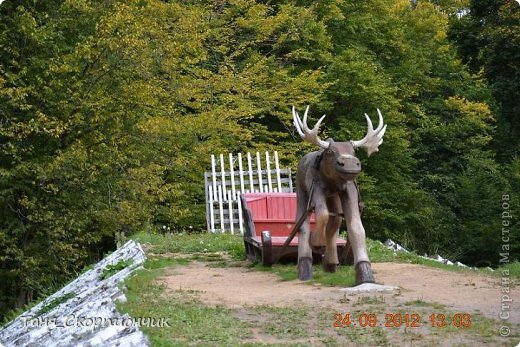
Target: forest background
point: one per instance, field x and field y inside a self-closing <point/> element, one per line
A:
<point x="110" y="110"/>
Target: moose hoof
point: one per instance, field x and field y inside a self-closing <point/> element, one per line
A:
<point x="329" y="267"/>
<point x="305" y="269"/>
<point x="364" y="273"/>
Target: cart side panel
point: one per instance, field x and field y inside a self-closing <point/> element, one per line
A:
<point x="257" y="204"/>
<point x="273" y="212"/>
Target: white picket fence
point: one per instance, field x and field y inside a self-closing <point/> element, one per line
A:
<point x="229" y="178"/>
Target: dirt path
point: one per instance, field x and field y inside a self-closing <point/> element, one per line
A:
<point x="238" y="287"/>
<point x="460" y="291"/>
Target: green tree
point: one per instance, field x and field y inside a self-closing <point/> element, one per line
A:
<point x="109" y="113"/>
<point x="488" y="40"/>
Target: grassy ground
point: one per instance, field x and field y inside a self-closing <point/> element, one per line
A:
<point x="194" y="323"/>
<point x="204" y="245"/>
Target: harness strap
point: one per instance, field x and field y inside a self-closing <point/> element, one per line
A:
<point x="298" y="224"/>
<point x="317" y="162"/>
<point x="361" y="204"/>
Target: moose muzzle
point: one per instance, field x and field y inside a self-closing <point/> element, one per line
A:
<point x="348" y="165"/>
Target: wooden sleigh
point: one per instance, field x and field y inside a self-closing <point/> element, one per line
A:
<point x="270" y="229"/>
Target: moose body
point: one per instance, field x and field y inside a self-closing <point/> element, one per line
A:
<point x="325" y="181"/>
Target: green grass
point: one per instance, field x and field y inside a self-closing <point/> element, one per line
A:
<point x="421" y="303"/>
<point x="513" y="269"/>
<point x="194" y="323"/>
<point x="164" y="262"/>
<point x="191" y="243"/>
<point x="218" y="248"/>
<point x="378" y="253"/>
<point x="54" y="303"/>
<point x="343" y="277"/>
<point x="111" y="270"/>
<point x="283" y="322"/>
<point x="190" y="321"/>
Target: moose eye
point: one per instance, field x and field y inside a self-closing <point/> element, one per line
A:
<point x="331" y="153"/>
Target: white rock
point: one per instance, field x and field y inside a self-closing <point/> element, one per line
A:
<point x="369" y="288"/>
<point x="438" y="258"/>
<point x="89" y="317"/>
<point x="395" y="246"/>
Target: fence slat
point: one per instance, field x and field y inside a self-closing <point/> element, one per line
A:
<point x="259" y="169"/>
<point x="232" y="171"/>
<point x="269" y="180"/>
<point x="241" y="174"/>
<point x="230" y="216"/>
<point x="211" y="213"/>
<point x="240" y="221"/>
<point x="223" y="188"/>
<point x="214" y="176"/>
<point x="250" y="166"/>
<point x="223" y="176"/>
<point x="277" y="167"/>
<point x="221" y="208"/>
<point x="290" y="182"/>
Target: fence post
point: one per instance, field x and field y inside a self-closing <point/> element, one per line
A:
<point x="268" y="164"/>
<point x="211" y="211"/>
<point x="221" y="208"/>
<point x="230" y="216"/>
<point x="250" y="166"/>
<point x="277" y="166"/>
<point x="259" y="169"/>
<point x="214" y="175"/>
<point x="224" y="199"/>
<point x="223" y="176"/>
<point x="241" y="173"/>
<point x="233" y="191"/>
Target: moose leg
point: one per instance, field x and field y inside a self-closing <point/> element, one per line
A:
<point x="321" y="214"/>
<point x="356" y="234"/>
<point x="304" y="249"/>
<point x="330" y="259"/>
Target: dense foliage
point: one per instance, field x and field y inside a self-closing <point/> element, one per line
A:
<point x="109" y="112"/>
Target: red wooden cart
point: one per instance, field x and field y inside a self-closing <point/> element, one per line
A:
<point x="269" y="220"/>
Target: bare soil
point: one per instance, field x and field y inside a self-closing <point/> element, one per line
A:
<point x="422" y="289"/>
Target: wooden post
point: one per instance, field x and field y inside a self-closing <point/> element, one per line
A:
<point x="223" y="176"/>
<point x="211" y="211"/>
<point x="233" y="191"/>
<point x="219" y="193"/>
<point x="214" y="175"/>
<point x="269" y="180"/>
<point x="240" y="222"/>
<point x="290" y="182"/>
<point x="277" y="166"/>
<point x="221" y="207"/>
<point x="250" y="172"/>
<point x="241" y="173"/>
<point x="259" y="169"/>
<point x="230" y="217"/>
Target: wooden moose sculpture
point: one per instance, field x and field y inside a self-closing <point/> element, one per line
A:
<point x="325" y="182"/>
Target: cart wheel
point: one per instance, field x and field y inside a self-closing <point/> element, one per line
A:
<point x="267" y="249"/>
<point x="250" y="254"/>
<point x="247" y="219"/>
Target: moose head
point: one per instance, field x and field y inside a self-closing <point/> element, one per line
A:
<point x="326" y="180"/>
<point x="339" y="157"/>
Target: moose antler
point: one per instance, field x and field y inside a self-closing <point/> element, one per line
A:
<point x="373" y="138"/>
<point x="306" y="133"/>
